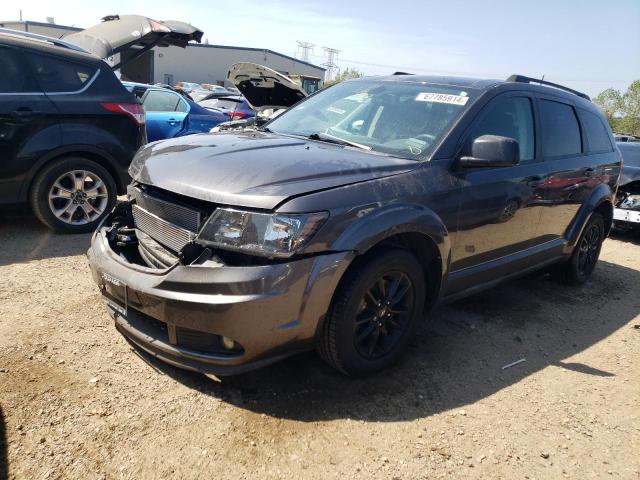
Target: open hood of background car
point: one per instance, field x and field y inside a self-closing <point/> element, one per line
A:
<point x="263" y="87"/>
<point x="117" y="33"/>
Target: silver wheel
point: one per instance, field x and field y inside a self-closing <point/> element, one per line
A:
<point x="78" y="197"/>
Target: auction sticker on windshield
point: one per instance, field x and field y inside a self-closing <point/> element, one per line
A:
<point x="442" y="98"/>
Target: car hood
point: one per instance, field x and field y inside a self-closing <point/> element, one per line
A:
<point x="263" y="87"/>
<point x="118" y="32"/>
<point x="255" y="169"/>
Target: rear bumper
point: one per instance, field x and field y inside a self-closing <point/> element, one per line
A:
<point x="271" y="311"/>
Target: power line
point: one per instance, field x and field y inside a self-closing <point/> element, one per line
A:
<point x="450" y="72"/>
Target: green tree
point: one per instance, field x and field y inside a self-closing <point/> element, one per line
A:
<point x="346" y="74"/>
<point x="622" y="110"/>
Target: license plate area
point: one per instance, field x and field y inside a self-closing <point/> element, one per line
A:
<point x="626" y="215"/>
<point x="115" y="294"/>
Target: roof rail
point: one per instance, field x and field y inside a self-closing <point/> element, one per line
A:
<point x="42" y="38"/>
<point x="402" y="73"/>
<point x="523" y="79"/>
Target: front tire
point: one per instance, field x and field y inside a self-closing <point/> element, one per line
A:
<point x="586" y="252"/>
<point x="373" y="314"/>
<point x="72" y="195"/>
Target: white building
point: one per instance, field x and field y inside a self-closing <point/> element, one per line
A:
<point x="196" y="63"/>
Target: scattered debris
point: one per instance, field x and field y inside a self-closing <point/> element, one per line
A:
<point x="508" y="365"/>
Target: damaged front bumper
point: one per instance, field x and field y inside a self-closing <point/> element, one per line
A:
<point x="627" y="207"/>
<point x="212" y="317"/>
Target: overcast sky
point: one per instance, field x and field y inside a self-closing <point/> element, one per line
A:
<point x="588" y="45"/>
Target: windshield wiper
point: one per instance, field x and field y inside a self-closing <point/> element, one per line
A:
<point x="326" y="137"/>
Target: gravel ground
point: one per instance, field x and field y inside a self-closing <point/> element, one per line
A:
<point x="77" y="402"/>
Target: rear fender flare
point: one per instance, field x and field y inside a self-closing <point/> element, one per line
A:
<point x="600" y="195"/>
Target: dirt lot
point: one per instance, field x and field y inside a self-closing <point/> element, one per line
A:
<point x="77" y="402"/>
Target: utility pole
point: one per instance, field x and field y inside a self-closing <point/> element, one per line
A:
<point x="305" y="48"/>
<point x="330" y="64"/>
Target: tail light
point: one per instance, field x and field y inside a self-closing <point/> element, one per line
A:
<point x="158" y="27"/>
<point x="132" y="110"/>
<point x="236" y="115"/>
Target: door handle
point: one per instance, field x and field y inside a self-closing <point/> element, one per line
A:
<point x="588" y="172"/>
<point x="172" y="121"/>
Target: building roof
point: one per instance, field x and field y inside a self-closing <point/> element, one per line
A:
<point x="28" y="23"/>
<point x="252" y="49"/>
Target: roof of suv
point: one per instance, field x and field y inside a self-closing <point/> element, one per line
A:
<point x="523" y="83"/>
<point x="42" y="44"/>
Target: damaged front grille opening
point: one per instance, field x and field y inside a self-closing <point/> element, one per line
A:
<point x="629" y="196"/>
<point x="138" y="247"/>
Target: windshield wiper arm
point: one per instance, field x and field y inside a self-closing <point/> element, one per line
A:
<point x="326" y="137"/>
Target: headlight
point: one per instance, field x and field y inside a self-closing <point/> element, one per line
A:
<point x="273" y="235"/>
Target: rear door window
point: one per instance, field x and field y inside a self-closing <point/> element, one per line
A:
<point x="60" y="76"/>
<point x="16" y="76"/>
<point x="595" y="132"/>
<point x="160" y="101"/>
<point x="510" y="117"/>
<point x="560" y="129"/>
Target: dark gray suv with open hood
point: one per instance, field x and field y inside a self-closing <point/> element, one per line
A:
<point x="339" y="223"/>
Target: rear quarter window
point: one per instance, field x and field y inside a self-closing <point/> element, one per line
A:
<point x="560" y="129"/>
<point x="595" y="133"/>
<point x="57" y="75"/>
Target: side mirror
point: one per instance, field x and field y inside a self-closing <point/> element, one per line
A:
<point x="492" y="151"/>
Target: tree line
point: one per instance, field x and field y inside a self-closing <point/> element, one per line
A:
<point x="622" y="109"/>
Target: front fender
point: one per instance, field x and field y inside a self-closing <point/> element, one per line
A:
<point x="601" y="194"/>
<point x="380" y="224"/>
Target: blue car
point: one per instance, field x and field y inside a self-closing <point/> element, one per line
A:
<point x="169" y="114"/>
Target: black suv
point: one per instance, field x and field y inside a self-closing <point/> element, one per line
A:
<point x="68" y="132"/>
<point x="68" y="127"/>
<point x="337" y="224"/>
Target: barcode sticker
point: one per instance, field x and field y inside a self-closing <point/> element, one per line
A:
<point x="442" y="98"/>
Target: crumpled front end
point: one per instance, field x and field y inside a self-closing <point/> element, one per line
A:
<point x="198" y="308"/>
<point x="627" y="210"/>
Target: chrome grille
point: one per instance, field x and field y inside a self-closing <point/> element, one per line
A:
<point x="162" y="231"/>
<point x="177" y="214"/>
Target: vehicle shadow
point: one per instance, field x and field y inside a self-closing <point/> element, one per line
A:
<point x="456" y="359"/>
<point x="23" y="238"/>
<point x="4" y="461"/>
<point x="626" y="235"/>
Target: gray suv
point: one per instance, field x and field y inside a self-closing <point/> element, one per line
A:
<point x="338" y="224"/>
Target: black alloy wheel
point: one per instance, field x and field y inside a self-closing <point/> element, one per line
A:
<point x="584" y="257"/>
<point x="374" y="312"/>
<point x="384" y="315"/>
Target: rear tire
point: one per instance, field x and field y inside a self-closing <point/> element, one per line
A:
<point x="373" y="314"/>
<point x="72" y="195"/>
<point x="585" y="254"/>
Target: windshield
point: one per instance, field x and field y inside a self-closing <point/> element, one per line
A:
<point x="402" y="119"/>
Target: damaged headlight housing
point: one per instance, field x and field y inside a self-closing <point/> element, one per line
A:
<point x="267" y="234"/>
